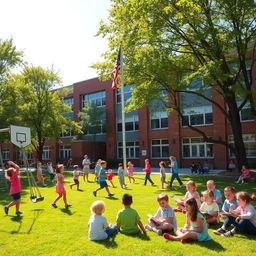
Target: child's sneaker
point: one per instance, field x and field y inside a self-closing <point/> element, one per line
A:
<point x="54" y="206"/>
<point x="94" y="193"/>
<point x="158" y="231"/>
<point x="219" y="231"/>
<point x="177" y="210"/>
<point x="68" y="206"/>
<point x="242" y="182"/>
<point x="227" y="234"/>
<point x="19" y="213"/>
<point x="148" y="227"/>
<point x="167" y="236"/>
<point x="6" y="210"/>
<point x="110" y="194"/>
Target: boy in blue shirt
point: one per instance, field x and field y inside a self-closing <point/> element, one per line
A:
<point x="217" y="194"/>
<point x="102" y="176"/>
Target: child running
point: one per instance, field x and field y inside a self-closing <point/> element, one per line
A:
<point x="13" y="175"/>
<point x="217" y="194"/>
<point x="130" y="170"/>
<point x="164" y="219"/>
<point x="191" y="193"/>
<point x="243" y="217"/>
<point x="120" y="173"/>
<point x="39" y="174"/>
<point x="102" y="179"/>
<point x="97" y="170"/>
<point x="209" y="208"/>
<point x="99" y="229"/>
<point x="60" y="189"/>
<point x="76" y="174"/>
<point x="195" y="228"/>
<point x="162" y="166"/>
<point x="128" y="219"/>
<point x="110" y="177"/>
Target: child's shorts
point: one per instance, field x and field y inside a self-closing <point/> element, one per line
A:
<point x="76" y="181"/>
<point x="103" y="184"/>
<point x="16" y="196"/>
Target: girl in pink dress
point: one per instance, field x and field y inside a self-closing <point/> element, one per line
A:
<point x="13" y="175"/>
<point x="130" y="170"/>
<point x="60" y="189"/>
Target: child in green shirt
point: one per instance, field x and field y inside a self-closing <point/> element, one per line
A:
<point x="128" y="219"/>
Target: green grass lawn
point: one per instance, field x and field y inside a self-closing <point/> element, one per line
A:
<point x="43" y="230"/>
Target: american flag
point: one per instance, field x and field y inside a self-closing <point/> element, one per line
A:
<point x="115" y="70"/>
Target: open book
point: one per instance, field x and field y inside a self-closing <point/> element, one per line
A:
<point x="177" y="199"/>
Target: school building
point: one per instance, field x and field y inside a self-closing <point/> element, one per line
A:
<point x="150" y="132"/>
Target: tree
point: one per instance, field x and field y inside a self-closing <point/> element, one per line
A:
<point x="93" y="120"/>
<point x="169" y="44"/>
<point x="29" y="100"/>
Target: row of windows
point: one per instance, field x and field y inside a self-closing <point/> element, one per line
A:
<point x="191" y="148"/>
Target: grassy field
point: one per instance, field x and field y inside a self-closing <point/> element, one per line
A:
<point x="43" y="230"/>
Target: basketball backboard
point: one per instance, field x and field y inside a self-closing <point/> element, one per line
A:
<point x="20" y="136"/>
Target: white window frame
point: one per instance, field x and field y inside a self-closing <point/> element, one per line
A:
<point x="203" y="110"/>
<point x="160" y="145"/>
<point x="129" y="149"/>
<point x="196" y="145"/>
<point x="131" y="119"/>
<point x="246" y="106"/>
<point x="67" y="134"/>
<point x="28" y="155"/>
<point x="127" y="93"/>
<point x="46" y="153"/>
<point x="247" y="138"/>
<point x="95" y="98"/>
<point x="159" y="115"/>
<point x="5" y="154"/>
<point x="67" y="151"/>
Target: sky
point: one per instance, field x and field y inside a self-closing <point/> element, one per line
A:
<point x="57" y="33"/>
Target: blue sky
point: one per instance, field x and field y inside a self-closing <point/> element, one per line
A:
<point x="58" y="33"/>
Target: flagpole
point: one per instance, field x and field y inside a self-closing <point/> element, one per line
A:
<point x="122" y="110"/>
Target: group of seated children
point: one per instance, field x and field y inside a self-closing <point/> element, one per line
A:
<point x="199" y="168"/>
<point x="236" y="211"/>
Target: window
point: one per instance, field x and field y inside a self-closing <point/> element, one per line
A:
<point x="127" y="93"/>
<point x="160" y="148"/>
<point x="159" y="120"/>
<point x="249" y="143"/>
<point x="28" y="156"/>
<point x="6" y="154"/>
<point x="197" y="116"/>
<point x="196" y="148"/>
<point x="246" y="114"/>
<point x="98" y="129"/>
<point x="132" y="149"/>
<point x="131" y="124"/>
<point x="65" y="152"/>
<point x="67" y="133"/>
<point x="69" y="102"/>
<point x="98" y="98"/>
<point x="46" y="153"/>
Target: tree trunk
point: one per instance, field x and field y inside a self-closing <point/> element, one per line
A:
<point x="239" y="147"/>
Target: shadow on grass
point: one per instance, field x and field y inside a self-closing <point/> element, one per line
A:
<point x="67" y="211"/>
<point x="108" y="243"/>
<point x="139" y="235"/>
<point x="212" y="245"/>
<point x="19" y="220"/>
<point x="37" y="213"/>
<point x="111" y="198"/>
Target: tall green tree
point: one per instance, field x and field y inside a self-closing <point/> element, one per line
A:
<point x="167" y="44"/>
<point x="31" y="101"/>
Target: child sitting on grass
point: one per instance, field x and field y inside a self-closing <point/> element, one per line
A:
<point x="243" y="217"/>
<point x="76" y="174"/>
<point x="230" y="195"/>
<point x="195" y="228"/>
<point x="209" y="208"/>
<point x="128" y="219"/>
<point x="164" y="219"/>
<point x="99" y="229"/>
<point x="244" y="176"/>
<point x="191" y="193"/>
<point x="217" y="194"/>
